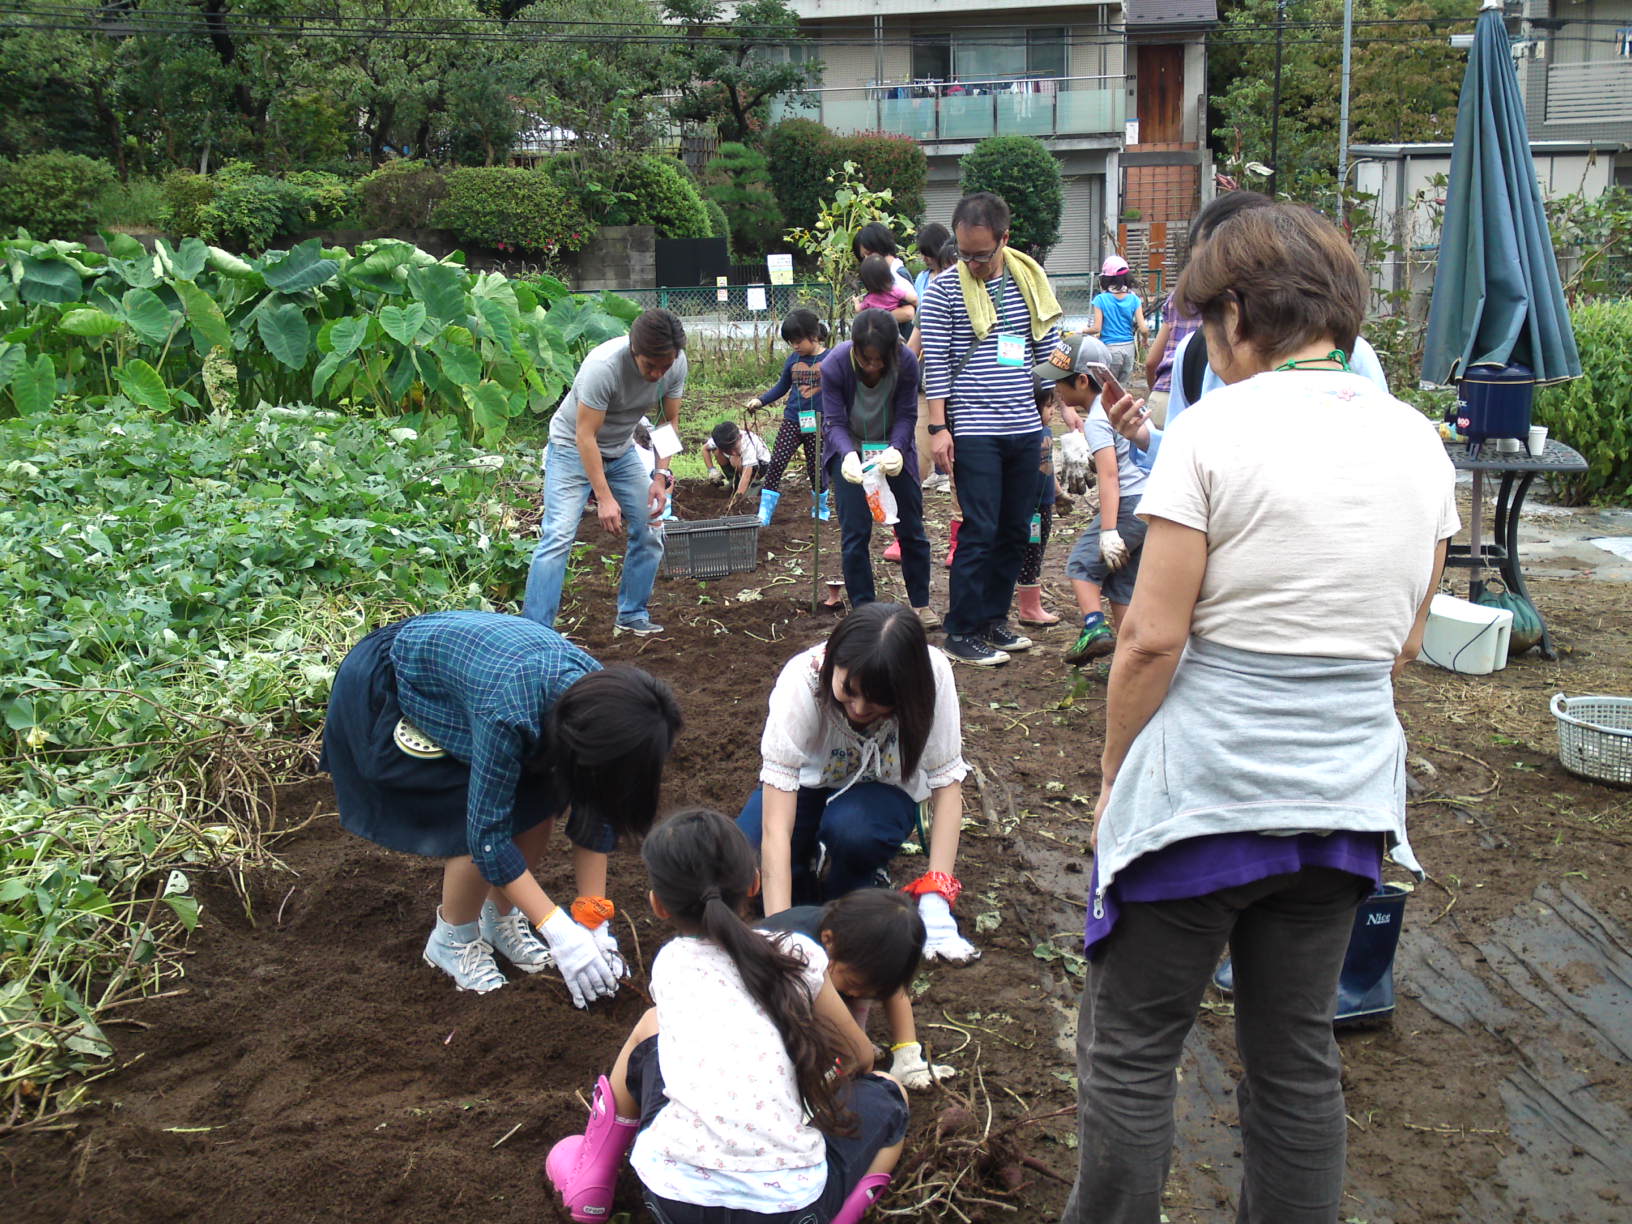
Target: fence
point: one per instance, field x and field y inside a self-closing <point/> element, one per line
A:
<point x="745" y="309"/>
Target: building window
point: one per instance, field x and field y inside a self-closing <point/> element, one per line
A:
<point x="984" y="56"/>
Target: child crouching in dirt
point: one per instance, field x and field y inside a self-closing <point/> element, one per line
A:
<point x="874" y="940"/>
<point x="747" y="1091"/>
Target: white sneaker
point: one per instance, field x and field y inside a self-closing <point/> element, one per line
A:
<point x="937" y="482"/>
<point x="513" y="937"/>
<point x="461" y="953"/>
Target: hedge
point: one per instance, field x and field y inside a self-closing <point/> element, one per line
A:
<point x="507" y="207"/>
<point x="52" y="195"/>
<point x="658" y="192"/>
<point x="1593" y="413"/>
<point x="401" y="195"/>
<point x="803" y="153"/>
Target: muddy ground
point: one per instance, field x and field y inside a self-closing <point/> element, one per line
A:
<point x="308" y="1067"/>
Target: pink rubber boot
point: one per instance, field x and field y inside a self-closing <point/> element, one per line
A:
<point x="584" y="1168"/>
<point x="861" y="1198"/>
<point x="893" y="552"/>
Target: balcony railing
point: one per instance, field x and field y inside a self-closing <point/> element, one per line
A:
<point x="967" y="110"/>
<point x="1596" y="92"/>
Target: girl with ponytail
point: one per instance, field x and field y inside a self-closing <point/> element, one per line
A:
<point x="747" y="1091"/>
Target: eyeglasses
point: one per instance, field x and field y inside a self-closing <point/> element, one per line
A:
<point x="984" y="257"/>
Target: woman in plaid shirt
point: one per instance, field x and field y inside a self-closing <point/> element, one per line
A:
<point x="462" y="736"/>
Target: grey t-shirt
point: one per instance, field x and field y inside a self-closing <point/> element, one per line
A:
<point x="610" y="382"/>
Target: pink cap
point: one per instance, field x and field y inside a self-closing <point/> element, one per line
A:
<point x="1114" y="265"/>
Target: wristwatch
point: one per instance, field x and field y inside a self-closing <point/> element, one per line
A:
<point x="666" y="473"/>
<point x="935" y="429"/>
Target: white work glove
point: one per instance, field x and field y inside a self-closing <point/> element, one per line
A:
<point x="607" y="942"/>
<point x="753" y="404"/>
<point x="1076" y="466"/>
<point x="850" y="469"/>
<point x="716" y="476"/>
<point x="890" y="461"/>
<point x="909" y="1067"/>
<point x="942" y="941"/>
<point x="1113" y="550"/>
<point x="579" y="958"/>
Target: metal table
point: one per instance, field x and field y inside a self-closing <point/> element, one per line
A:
<point x="1518" y="472"/>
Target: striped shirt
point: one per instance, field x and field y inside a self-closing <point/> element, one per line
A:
<point x="985" y="399"/>
<point x="480" y="685"/>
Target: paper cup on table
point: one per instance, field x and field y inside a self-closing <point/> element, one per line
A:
<point x="1510" y="446"/>
<point x="665" y="441"/>
<point x="1538" y="441"/>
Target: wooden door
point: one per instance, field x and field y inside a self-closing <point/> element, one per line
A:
<point x="1161" y="93"/>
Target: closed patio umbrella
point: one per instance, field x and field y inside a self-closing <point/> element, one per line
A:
<point x="1497" y="299"/>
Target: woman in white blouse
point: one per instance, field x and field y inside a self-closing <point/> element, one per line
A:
<point x="862" y="729"/>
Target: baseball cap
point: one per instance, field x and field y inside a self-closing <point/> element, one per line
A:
<point x="1071" y="357"/>
<point x="1114" y="265"/>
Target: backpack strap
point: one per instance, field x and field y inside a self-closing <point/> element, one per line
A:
<point x="1195" y="366"/>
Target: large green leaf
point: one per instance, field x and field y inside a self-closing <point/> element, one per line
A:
<point x="123" y="246"/>
<point x="12" y="357"/>
<point x="302" y="268"/>
<point x="384" y="270"/>
<point x="347" y="334"/>
<point x="49" y="280"/>
<point x="228" y="264"/>
<point x="489" y="407"/>
<point x="143" y="384"/>
<point x="147" y="314"/>
<point x="89" y="322"/>
<point x="402" y="323"/>
<point x="34" y="387"/>
<point x="285" y="333"/>
<point x="186" y="261"/>
<point x="498" y="323"/>
<point x="550" y="289"/>
<point x="459" y="362"/>
<point x="442" y="289"/>
<point x="204" y="315"/>
<point x="137" y="270"/>
<point x="325" y="371"/>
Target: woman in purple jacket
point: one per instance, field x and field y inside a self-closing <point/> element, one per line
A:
<point x="869" y="410"/>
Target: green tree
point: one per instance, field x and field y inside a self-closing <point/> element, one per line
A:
<point x="733" y="68"/>
<point x="1026" y="175"/>
<point x="738" y="179"/>
<point x="1405" y="81"/>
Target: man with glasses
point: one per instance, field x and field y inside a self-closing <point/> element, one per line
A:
<point x="983" y="331"/>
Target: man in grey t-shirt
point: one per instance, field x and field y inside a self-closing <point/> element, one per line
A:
<point x="590" y="451"/>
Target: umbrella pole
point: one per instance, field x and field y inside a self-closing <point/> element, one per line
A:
<point x="1476" y="584"/>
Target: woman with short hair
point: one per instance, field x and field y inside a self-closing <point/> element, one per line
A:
<point x="1252" y="775"/>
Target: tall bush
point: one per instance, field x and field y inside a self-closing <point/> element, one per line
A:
<point x="185" y="195"/>
<point x="719" y="226"/>
<point x="1593" y="413"/>
<point x="1024" y="173"/>
<point x="657" y="191"/>
<point x="504" y="207"/>
<point x="738" y="179"/>
<point x="802" y="153"/>
<point x="249" y="209"/>
<point x="52" y="195"/>
<point x="886" y="161"/>
<point x="401" y="195"/>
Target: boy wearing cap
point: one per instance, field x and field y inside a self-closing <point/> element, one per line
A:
<point x="1118" y="316"/>
<point x="1105" y="558"/>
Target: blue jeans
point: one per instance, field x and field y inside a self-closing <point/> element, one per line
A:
<point x="566" y="493"/>
<point x="998" y="483"/>
<point x="856" y="533"/>
<point x="863" y="830"/>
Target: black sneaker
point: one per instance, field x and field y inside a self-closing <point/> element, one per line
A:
<point x="1000" y="637"/>
<point x="973" y="650"/>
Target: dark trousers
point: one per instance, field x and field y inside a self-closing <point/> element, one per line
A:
<point x="1286" y="935"/>
<point x="998" y="483"/>
<point x="856" y="533"/>
<point x="863" y="830"/>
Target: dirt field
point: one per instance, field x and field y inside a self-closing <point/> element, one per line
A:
<point x="309" y="1067"/>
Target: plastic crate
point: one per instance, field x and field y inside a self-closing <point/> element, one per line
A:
<point x="711" y="548"/>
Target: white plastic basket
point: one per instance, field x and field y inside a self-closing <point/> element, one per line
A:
<point x="1595" y="737"/>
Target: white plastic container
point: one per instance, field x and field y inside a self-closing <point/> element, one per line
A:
<point x="1466" y="637"/>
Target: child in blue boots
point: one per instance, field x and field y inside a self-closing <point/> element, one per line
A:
<point x="747" y="1093"/>
<point x="801" y="382"/>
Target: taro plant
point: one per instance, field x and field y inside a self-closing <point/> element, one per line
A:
<point x="386" y="328"/>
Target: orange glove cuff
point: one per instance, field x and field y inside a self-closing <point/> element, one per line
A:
<point x="591" y="912"/>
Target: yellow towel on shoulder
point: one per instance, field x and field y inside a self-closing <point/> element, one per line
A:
<point x="1029" y="278"/>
